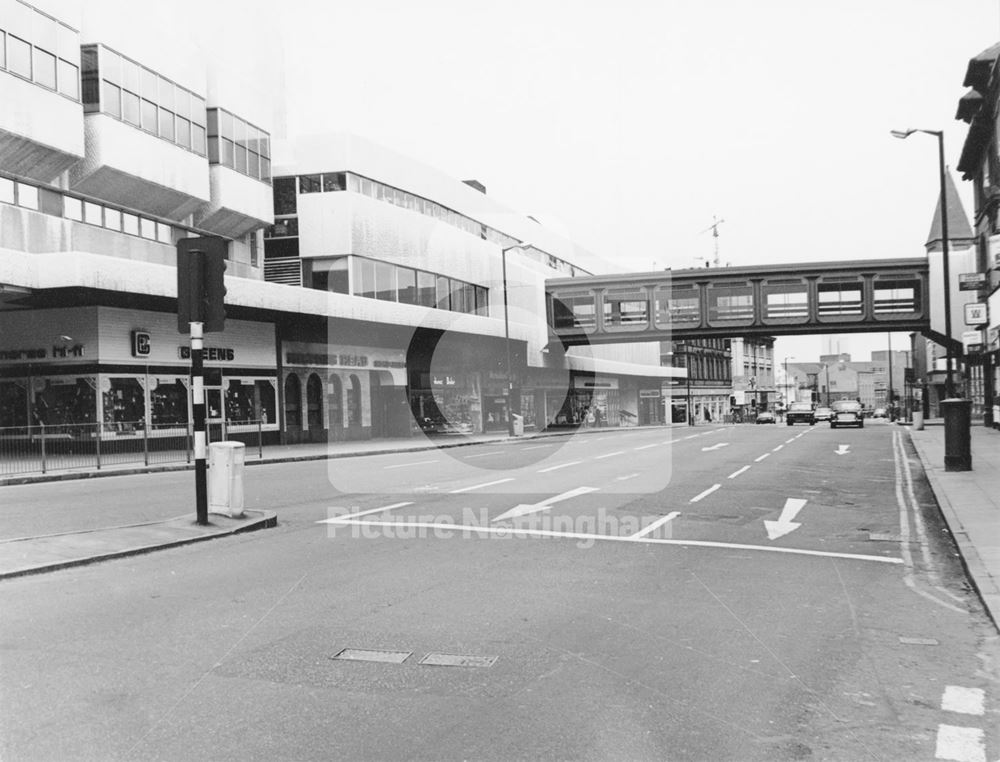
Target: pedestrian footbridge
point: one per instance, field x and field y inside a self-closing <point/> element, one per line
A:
<point x="765" y="300"/>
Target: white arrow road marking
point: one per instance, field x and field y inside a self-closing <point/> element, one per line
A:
<point x="524" y="509"/>
<point x="734" y="474"/>
<point x="706" y="493"/>
<point x="784" y="524"/>
<point x="842" y="450"/>
<point x="349" y="516"/>
<point x="659" y="522"/>
<point x="715" y="447"/>
<point x="480" y="486"/>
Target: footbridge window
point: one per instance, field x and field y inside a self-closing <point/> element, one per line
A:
<point x="895" y="297"/>
<point x="573" y="311"/>
<point x="730" y="303"/>
<point x="676" y="305"/>
<point x="786" y="301"/>
<point x="839" y="299"/>
<point x="626" y="309"/>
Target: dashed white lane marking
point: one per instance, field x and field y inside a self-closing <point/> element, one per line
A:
<point x="964" y="700"/>
<point x="609" y="455"/>
<point x="348" y="517"/>
<point x="526" y="532"/>
<point x="480" y="486"/>
<point x="667" y="441"/>
<point x="654" y="525"/>
<point x="692" y="436"/>
<point x="646" y="447"/>
<point x="789" y="441"/>
<point x="561" y="465"/>
<point x="706" y="493"/>
<point x="415" y="463"/>
<point x="960" y="744"/>
<point x="736" y="473"/>
<point x="798" y="435"/>
<point x="481" y="454"/>
<point x="537" y="447"/>
<point x="765" y="455"/>
<point x="779" y="447"/>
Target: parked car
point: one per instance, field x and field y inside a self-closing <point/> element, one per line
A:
<point x="766" y="417"/>
<point x="879" y="412"/>
<point x="799" y="412"/>
<point x="822" y="414"/>
<point x="847" y="413"/>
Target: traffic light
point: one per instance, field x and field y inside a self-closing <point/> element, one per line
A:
<point x="201" y="287"/>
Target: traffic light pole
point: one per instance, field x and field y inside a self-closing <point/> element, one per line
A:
<point x="198" y="409"/>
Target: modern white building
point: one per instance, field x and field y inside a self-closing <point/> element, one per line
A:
<point x="384" y="299"/>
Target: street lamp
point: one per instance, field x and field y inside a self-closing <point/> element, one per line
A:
<point x="902" y="135"/>
<point x="788" y="395"/>
<point x="513" y="399"/>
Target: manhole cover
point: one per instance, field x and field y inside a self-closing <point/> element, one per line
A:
<point x="457" y="660"/>
<point x="363" y="654"/>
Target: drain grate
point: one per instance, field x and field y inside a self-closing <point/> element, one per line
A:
<point x="457" y="660"/>
<point x="364" y="654"/>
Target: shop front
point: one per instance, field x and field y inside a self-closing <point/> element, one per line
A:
<point x="343" y="392"/>
<point x="109" y="373"/>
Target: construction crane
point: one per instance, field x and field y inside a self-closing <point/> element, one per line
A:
<point x="714" y="227"/>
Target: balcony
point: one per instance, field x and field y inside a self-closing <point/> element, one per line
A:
<point x="238" y="205"/>
<point x="128" y="166"/>
<point x="41" y="136"/>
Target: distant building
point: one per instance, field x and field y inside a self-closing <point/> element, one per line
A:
<point x="708" y="364"/>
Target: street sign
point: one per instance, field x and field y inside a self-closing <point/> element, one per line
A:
<point x="971" y="281"/>
<point x="976" y="314"/>
<point x="972" y="341"/>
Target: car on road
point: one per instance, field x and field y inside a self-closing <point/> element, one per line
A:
<point x="847" y="413"/>
<point x="766" y="417"/>
<point x="799" y="412"/>
<point x="879" y="412"/>
<point x="822" y="414"/>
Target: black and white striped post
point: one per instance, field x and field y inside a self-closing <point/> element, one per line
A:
<point x="198" y="411"/>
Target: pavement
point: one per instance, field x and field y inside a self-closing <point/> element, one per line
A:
<point x="969" y="502"/>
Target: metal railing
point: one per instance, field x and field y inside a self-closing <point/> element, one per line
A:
<point x="84" y="446"/>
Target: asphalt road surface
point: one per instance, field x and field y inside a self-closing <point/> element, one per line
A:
<point x="743" y="593"/>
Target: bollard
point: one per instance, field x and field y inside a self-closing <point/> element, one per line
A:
<point x="957" y="434"/>
<point x="918" y="420"/>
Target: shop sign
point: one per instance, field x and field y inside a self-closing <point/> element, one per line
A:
<point x="975" y="314"/>
<point x="141" y="344"/>
<point x="209" y="354"/>
<point x="338" y="359"/>
<point x="443" y="380"/>
<point x="649" y="393"/>
<point x="972" y="341"/>
<point x="41" y="353"/>
<point x="971" y="281"/>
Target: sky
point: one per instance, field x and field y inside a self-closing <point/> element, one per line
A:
<point x="632" y="126"/>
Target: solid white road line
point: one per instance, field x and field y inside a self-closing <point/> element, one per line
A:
<point x="964" y="700"/>
<point x="407" y="465"/>
<point x="960" y="744"/>
<point x="561" y="465"/>
<point x="351" y="516"/>
<point x="706" y="493"/>
<point x="480" y="486"/>
<point x="609" y="455"/>
<point x="527" y="532"/>
<point x="765" y="455"/>
<point x="658" y="523"/>
<point x="734" y="474"/>
<point x="525" y="508"/>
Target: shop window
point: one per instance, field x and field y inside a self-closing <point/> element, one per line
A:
<point x="314" y="402"/>
<point x="58" y="401"/>
<point x="354" y="402"/>
<point x="335" y="401"/>
<point x="168" y="401"/>
<point x="293" y="401"/>
<point x="265" y="398"/>
<point x="124" y="404"/>
<point x="13" y="404"/>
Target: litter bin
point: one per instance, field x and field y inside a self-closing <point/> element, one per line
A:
<point x="226" y="461"/>
<point x="957" y="434"/>
<point x="918" y="420"/>
<point x="518" y="425"/>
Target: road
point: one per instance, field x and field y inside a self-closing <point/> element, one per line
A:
<point x="745" y="593"/>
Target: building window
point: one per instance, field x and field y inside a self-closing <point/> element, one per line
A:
<point x="45" y="69"/>
<point x="284" y="196"/>
<point x="18" y="57"/>
<point x="237" y="144"/>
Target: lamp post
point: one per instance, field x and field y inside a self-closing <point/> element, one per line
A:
<point x="949" y="389"/>
<point x="788" y="395"/>
<point x="827" y="369"/>
<point x="687" y="381"/>
<point x="513" y="398"/>
<point x="957" y="422"/>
